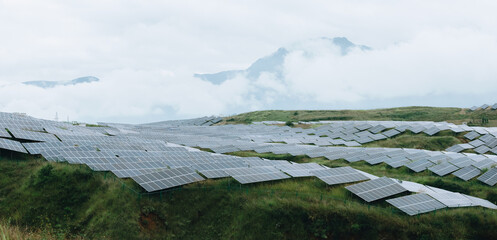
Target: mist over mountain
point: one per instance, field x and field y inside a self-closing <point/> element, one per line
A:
<point x="52" y="84"/>
<point x="273" y="63"/>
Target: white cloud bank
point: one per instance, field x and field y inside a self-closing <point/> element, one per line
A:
<point x="436" y="53"/>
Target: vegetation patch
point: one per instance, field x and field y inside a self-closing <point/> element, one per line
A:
<point x="487" y="118"/>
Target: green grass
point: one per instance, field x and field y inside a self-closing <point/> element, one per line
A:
<point x="438" y="142"/>
<point x="12" y="232"/>
<point x="72" y="201"/>
<point x="454" y="115"/>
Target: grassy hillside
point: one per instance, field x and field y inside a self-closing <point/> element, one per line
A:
<point x="454" y="115"/>
<point x="70" y="201"/>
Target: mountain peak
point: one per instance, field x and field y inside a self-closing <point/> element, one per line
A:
<point x="273" y="63"/>
<point x="52" y="84"/>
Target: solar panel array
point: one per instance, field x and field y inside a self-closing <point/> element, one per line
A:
<point x="484" y="107"/>
<point x="100" y="147"/>
<point x="158" y="155"/>
<point x="483" y="140"/>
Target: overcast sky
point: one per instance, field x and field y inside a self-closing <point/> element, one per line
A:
<point x="437" y="53"/>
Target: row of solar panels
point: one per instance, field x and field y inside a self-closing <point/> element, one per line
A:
<point x="465" y="170"/>
<point x="465" y="166"/>
<point x="425" y="200"/>
<point x="21" y="121"/>
<point x="480" y="143"/>
<point x="203" y="121"/>
<point x="154" y="171"/>
<point x="336" y="133"/>
<point x="484" y="107"/>
<point x="462" y="167"/>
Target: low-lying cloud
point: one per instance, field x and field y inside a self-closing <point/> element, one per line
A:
<point x="146" y="53"/>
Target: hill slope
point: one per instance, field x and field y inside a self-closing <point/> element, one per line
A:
<point x="72" y="201"/>
<point x="437" y="114"/>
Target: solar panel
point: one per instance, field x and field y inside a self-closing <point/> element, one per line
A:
<point x="377" y="129"/>
<point x="417" y="129"/>
<point x="420" y="165"/>
<point x="363" y="126"/>
<point x="432" y="131"/>
<point x="256" y="174"/>
<point x="135" y="168"/>
<point x="455" y="148"/>
<point x="482" y="149"/>
<point x="476" y="143"/>
<point x="481" y="202"/>
<point x="462" y="162"/>
<point x="12" y="145"/>
<point x="416" y="204"/>
<point x="363" y="140"/>
<point x="397" y="162"/>
<point x="38" y="147"/>
<point x="351" y="144"/>
<point x="378" y="136"/>
<point x="339" y="175"/>
<point x="376" y="189"/>
<point x="451" y="199"/>
<point x="4" y="133"/>
<point x="443" y="169"/>
<point x="467" y="173"/>
<point x="483" y="164"/>
<point x="489" y="177"/>
<point x="34" y="136"/>
<point x="377" y="160"/>
<point x="492" y="143"/>
<point x="300" y="170"/>
<point x="214" y="173"/>
<point x="486" y="137"/>
<point x="391" y="133"/>
<point x="167" y="178"/>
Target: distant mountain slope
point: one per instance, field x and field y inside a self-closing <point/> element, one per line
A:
<point x="414" y="113"/>
<point x="273" y="63"/>
<point x="51" y="84"/>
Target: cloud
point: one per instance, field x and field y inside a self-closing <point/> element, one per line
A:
<point x="145" y="53"/>
<point x="453" y="61"/>
<point x="127" y="94"/>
